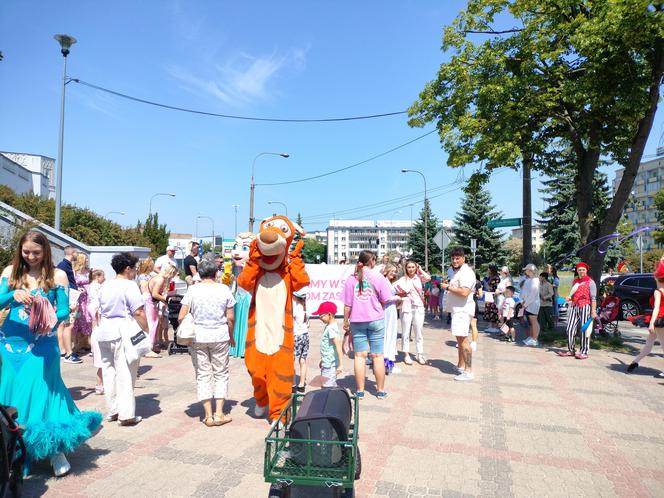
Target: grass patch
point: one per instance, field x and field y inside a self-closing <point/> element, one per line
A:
<point x="613" y="343"/>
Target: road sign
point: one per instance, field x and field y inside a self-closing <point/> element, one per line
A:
<point x="473" y="245"/>
<point x="504" y="222"/>
<point x="442" y="240"/>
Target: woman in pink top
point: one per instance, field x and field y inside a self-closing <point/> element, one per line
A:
<point x="363" y="297"/>
<point x="412" y="310"/>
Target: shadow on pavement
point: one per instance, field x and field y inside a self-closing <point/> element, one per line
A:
<point x="641" y="370"/>
<point x="147" y="405"/>
<point x="444" y="366"/>
<point x="82" y="460"/>
<point x="195" y="410"/>
<point x="79" y="392"/>
<point x="143" y="369"/>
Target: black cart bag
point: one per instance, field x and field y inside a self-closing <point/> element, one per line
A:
<point x="12" y="454"/>
<point x="324" y="415"/>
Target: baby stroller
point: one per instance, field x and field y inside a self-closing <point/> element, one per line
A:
<point x="174" y="305"/>
<point x="607" y="316"/>
<point x="12" y="454"/>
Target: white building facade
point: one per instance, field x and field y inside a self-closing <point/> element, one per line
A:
<point x="538" y="236"/>
<point x="28" y="174"/>
<point x="640" y="208"/>
<point x="347" y="238"/>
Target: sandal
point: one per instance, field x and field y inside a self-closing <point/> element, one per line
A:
<point x="565" y="354"/>
<point x="222" y="420"/>
<point x="209" y="421"/>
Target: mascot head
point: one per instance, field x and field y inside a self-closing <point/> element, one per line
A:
<point x="240" y="251"/>
<point x="274" y="239"/>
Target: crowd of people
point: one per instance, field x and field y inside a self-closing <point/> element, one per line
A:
<point x="119" y="320"/>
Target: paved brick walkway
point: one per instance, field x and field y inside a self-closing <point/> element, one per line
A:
<point x="531" y="424"/>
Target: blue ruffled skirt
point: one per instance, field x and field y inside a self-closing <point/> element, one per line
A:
<point x="30" y="381"/>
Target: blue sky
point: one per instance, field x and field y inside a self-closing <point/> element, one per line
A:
<point x="292" y="59"/>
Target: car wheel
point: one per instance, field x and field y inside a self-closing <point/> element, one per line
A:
<point x="629" y="309"/>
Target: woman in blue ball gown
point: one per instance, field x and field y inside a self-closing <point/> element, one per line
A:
<point x="30" y="377"/>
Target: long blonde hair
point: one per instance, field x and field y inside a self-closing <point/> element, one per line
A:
<point x="80" y="264"/>
<point x="20" y="269"/>
<point x="388" y="268"/>
<point x="145" y="266"/>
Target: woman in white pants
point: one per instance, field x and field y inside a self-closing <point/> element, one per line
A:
<point x="119" y="299"/>
<point x="391" y="321"/>
<point x="211" y="306"/>
<point x="412" y="310"/>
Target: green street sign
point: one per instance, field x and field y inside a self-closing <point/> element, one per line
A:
<point x="504" y="222"/>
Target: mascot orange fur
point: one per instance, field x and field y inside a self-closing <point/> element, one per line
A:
<point x="271" y="275"/>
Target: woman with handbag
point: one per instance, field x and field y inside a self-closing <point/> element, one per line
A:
<point x="211" y="307"/>
<point x="30" y="378"/>
<point x="120" y="303"/>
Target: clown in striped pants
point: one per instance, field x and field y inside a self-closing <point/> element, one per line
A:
<point x="577" y="316"/>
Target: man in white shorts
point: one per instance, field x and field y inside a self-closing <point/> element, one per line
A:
<point x="459" y="302"/>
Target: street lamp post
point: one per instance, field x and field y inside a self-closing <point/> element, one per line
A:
<point x="158" y="194"/>
<point x="426" y="230"/>
<point x="65" y="42"/>
<point x="252" y="187"/>
<point x="211" y="221"/>
<point x="235" y="206"/>
<point x="279" y="202"/>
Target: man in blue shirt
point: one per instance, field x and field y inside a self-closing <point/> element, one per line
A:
<point x="64" y="329"/>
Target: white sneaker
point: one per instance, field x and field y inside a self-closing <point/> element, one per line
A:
<point x="533" y="343"/>
<point x="459" y="370"/>
<point x="260" y="411"/>
<point x="407" y="359"/>
<point x="60" y="465"/>
<point x="465" y="376"/>
<point x="473" y="346"/>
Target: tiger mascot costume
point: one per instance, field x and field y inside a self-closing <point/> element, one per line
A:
<point x="271" y="275"/>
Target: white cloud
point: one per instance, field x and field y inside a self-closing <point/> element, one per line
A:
<point x="243" y="79"/>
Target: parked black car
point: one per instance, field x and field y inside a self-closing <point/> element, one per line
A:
<point x="634" y="291"/>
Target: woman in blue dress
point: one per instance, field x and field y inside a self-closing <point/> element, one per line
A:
<point x="30" y="377"/>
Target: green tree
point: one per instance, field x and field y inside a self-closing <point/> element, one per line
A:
<point x="659" y="206"/>
<point x="559" y="218"/>
<point x="573" y="72"/>
<point x="298" y="220"/>
<point x="314" y="252"/>
<point x="82" y="224"/>
<point x="416" y="238"/>
<point x="157" y="235"/>
<point x="472" y="223"/>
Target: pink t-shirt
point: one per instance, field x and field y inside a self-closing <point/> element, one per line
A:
<point x="368" y="306"/>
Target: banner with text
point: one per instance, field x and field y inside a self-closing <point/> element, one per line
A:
<point x="327" y="284"/>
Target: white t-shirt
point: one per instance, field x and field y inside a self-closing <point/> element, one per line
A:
<point x="118" y="299"/>
<point x="464" y="277"/>
<point x="164" y="260"/>
<point x="208" y="303"/>
<point x="300" y="326"/>
<point x="530" y="295"/>
<point x="508" y="307"/>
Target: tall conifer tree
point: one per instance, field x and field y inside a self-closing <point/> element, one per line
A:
<point x="472" y="223"/>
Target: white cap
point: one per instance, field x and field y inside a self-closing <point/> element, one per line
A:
<point x="170" y="248"/>
<point x="530" y="267"/>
